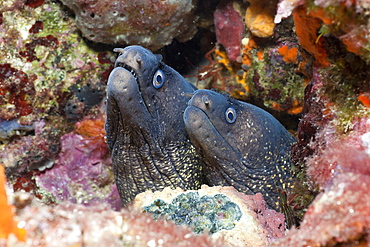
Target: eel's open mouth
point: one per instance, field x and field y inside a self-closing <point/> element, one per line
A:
<point x="128" y="68"/>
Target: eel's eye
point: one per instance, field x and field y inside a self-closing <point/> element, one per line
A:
<point x="158" y="79"/>
<point x="230" y="115"/>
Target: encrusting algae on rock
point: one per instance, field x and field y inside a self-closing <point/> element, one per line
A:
<point x="152" y="24"/>
<point x="233" y="217"/>
<point x="259" y="17"/>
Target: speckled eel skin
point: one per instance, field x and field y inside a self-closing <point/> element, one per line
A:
<point x="150" y="123"/>
<point x="241" y="145"/>
<point x="146" y="135"/>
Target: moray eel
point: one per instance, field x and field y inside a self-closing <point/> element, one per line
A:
<point x="240" y="144"/>
<point x="146" y="135"/>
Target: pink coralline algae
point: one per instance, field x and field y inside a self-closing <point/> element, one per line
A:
<point x="70" y="224"/>
<point x="340" y="165"/>
<point x="348" y="153"/>
<point x="152" y="24"/>
<point x="81" y="173"/>
<point x="32" y="152"/>
<point x="229" y="29"/>
<point x="338" y="217"/>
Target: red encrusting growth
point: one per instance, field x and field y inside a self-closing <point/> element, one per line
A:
<point x="16" y="88"/>
<point x="103" y="58"/>
<point x="37" y="27"/>
<point x="30" y="52"/>
<point x="229" y="29"/>
<point x="289" y="54"/>
<point x="34" y="3"/>
<point x="27" y="183"/>
<point x="364" y="98"/>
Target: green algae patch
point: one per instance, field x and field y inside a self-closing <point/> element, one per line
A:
<point x="214" y="213"/>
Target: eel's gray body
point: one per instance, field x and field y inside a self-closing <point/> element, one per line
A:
<point x="146" y="135"/>
<point x="240" y="144"/>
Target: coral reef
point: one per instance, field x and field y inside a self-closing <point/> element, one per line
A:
<point x="50" y="78"/>
<point x="340" y="214"/>
<point x="332" y="135"/>
<point x="337" y="217"/>
<point x="81" y="174"/>
<point x="275" y="75"/>
<point x="257" y="225"/>
<point x="152" y="24"/>
<point x="70" y="224"/>
<point x="306" y="27"/>
<point x="42" y="57"/>
<point x="308" y="58"/>
<point x="348" y="21"/>
<point x="34" y="151"/>
<point x="270" y="65"/>
<point x="259" y="17"/>
<point x="11" y="128"/>
<point x="229" y="28"/>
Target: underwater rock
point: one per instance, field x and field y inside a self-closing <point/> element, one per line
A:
<point x="81" y="174"/>
<point x="348" y="21"/>
<point x="229" y="28"/>
<point x="49" y="76"/>
<point x="17" y="92"/>
<point x="152" y="24"/>
<point x="259" y="17"/>
<point x="70" y="224"/>
<point x="257" y="225"/>
<point x="43" y="58"/>
<point x="277" y="76"/>
<point x="333" y="145"/>
<point x="206" y="213"/>
<point x="35" y="151"/>
<point x="340" y="154"/>
<point x="12" y="128"/>
<point x="337" y="217"/>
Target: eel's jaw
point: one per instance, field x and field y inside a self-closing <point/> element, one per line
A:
<point x="202" y="132"/>
<point x="142" y="64"/>
<point x="125" y="103"/>
<point x="222" y="160"/>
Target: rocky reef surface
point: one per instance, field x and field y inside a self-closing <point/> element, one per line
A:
<point x="228" y="215"/>
<point x="305" y="61"/>
<point x="152" y="24"/>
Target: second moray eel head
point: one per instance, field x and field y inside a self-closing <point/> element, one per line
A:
<point x="241" y="145"/>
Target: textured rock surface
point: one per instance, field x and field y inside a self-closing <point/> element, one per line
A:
<point x="346" y="20"/>
<point x="229" y="29"/>
<point x="151" y="24"/>
<point x="81" y="174"/>
<point x="42" y="58"/>
<point x="259" y="18"/>
<point x="70" y="224"/>
<point x="338" y="216"/>
<point x="257" y="226"/>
